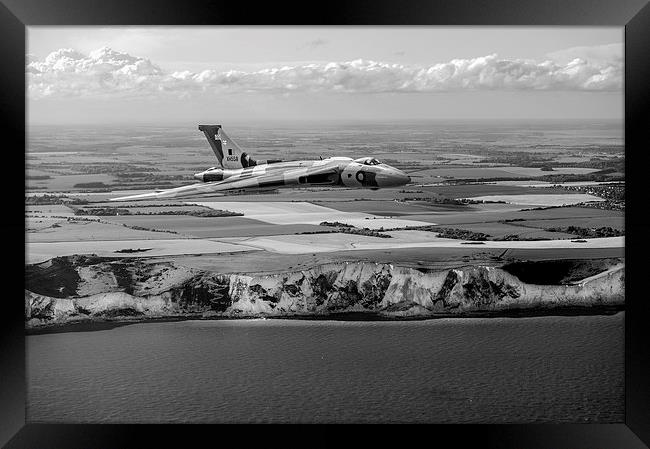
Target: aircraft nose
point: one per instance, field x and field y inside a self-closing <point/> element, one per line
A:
<point x="393" y="178"/>
<point x="403" y="177"/>
<point x="198" y="176"/>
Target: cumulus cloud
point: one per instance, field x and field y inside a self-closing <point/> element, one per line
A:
<point x="596" y="54"/>
<point x="103" y="72"/>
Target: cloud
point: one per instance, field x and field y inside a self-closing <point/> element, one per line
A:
<point x="596" y="54"/>
<point x="106" y="72"/>
<point x="66" y="72"/>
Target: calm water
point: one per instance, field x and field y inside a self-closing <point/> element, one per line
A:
<point x="450" y="370"/>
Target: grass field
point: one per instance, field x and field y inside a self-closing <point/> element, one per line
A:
<point x="269" y="235"/>
<point x="211" y="227"/>
<point x="39" y="252"/>
<point x="541" y="200"/>
<point x="77" y="231"/>
<point x="304" y="244"/>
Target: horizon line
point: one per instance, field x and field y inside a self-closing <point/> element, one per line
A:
<point x="309" y="120"/>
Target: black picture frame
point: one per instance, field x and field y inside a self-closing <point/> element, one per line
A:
<point x="15" y="15"/>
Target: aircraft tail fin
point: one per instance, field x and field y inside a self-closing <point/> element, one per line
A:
<point x="211" y="132"/>
<point x="229" y="154"/>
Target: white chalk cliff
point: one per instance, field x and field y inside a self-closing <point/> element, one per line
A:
<point x="93" y="289"/>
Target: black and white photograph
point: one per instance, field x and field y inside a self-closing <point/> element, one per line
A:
<point x="325" y="224"/>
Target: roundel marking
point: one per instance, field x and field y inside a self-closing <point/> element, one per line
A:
<point x="361" y="176"/>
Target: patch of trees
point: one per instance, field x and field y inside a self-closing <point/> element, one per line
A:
<point x="605" y="231"/>
<point x="444" y="200"/>
<point x="117" y="169"/>
<point x="90" y="185"/>
<point x="461" y="234"/>
<point x="515" y="237"/>
<point x="349" y="229"/>
<point x="599" y="176"/>
<point x="142" y="228"/>
<point x="132" y="250"/>
<point x="112" y="211"/>
<point x="46" y="199"/>
<point x="101" y="211"/>
<point x="208" y="213"/>
<point x="336" y="224"/>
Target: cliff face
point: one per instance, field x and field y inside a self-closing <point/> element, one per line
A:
<point x="93" y="288"/>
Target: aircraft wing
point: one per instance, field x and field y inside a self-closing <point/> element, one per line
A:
<point x="278" y="179"/>
<point x="193" y="189"/>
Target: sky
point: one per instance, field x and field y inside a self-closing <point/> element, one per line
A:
<point x="113" y="75"/>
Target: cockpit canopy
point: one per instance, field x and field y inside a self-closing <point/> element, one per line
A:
<point x="368" y="161"/>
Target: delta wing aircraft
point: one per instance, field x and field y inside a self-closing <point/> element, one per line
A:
<point x="238" y="171"/>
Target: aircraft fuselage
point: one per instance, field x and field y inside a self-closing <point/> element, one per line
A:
<point x="239" y="171"/>
<point x="345" y="172"/>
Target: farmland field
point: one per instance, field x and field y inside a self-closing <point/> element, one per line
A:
<point x="481" y="177"/>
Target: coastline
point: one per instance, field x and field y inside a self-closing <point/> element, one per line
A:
<point x="94" y="325"/>
<point x="84" y="293"/>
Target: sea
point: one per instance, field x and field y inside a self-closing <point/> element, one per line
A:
<point x="451" y="370"/>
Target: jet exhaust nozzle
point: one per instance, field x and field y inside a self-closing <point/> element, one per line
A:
<point x="209" y="176"/>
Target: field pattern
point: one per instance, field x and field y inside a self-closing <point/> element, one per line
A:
<point x="519" y="186"/>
